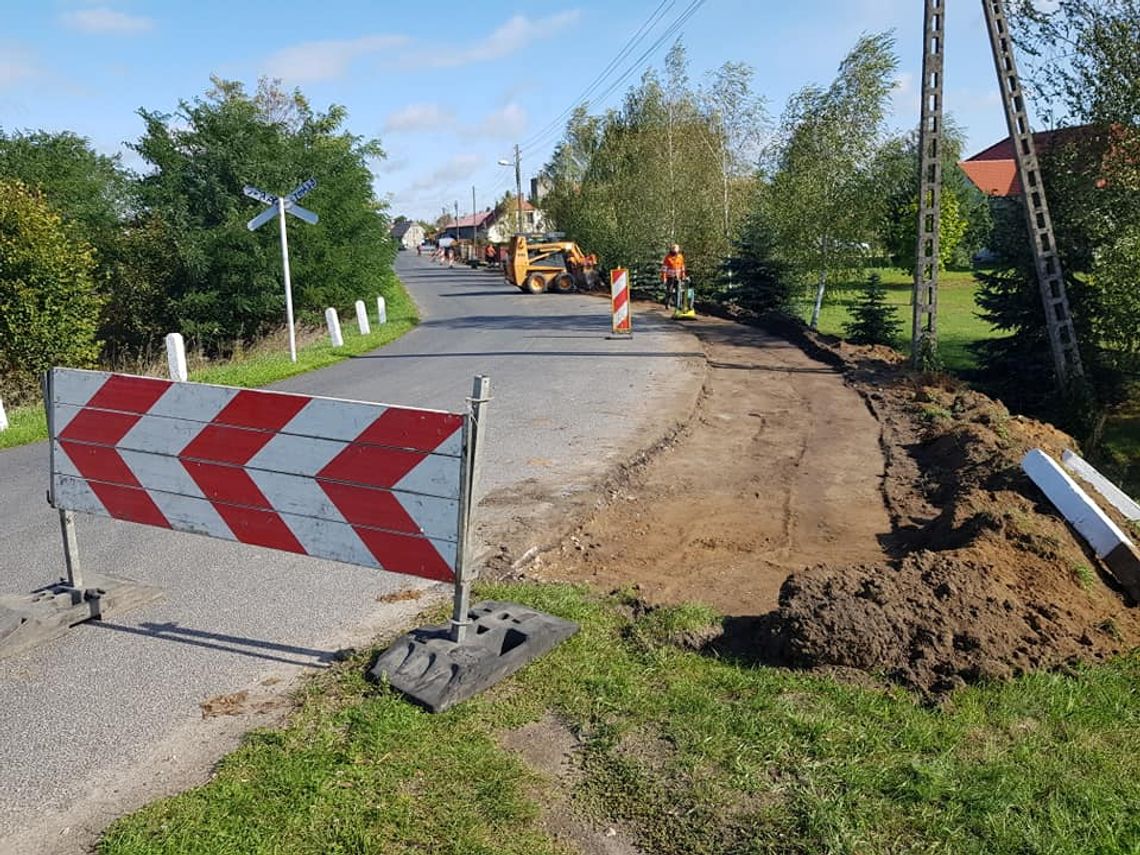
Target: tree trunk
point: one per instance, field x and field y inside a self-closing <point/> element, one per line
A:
<point x="822" y="286"/>
<point x="724" y="174"/>
<point x="819" y="298"/>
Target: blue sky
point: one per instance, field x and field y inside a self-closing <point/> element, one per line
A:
<point x="447" y="88"/>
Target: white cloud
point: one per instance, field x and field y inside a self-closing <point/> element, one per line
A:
<point x="459" y="167"/>
<point x="508" y="122"/>
<point x="389" y="165"/>
<point x="326" y="60"/>
<point x="517" y="33"/>
<point x="16" y="64"/>
<point x="104" y="20"/>
<point x="419" y="117"/>
<point x="906" y="96"/>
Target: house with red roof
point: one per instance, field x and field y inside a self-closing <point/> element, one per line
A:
<point x="994" y="170"/>
<point x="486" y="225"/>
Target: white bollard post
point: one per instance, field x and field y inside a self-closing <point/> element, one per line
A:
<point x="362" y="318"/>
<point x="381" y="311"/>
<point x="334" y="327"/>
<point x="3" y="417"/>
<point x="176" y="357"/>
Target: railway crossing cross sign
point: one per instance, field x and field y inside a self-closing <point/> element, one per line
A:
<point x="282" y="205"/>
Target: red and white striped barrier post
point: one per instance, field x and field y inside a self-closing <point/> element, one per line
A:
<point x="354" y="482"/>
<point x="386" y="487"/>
<point x="619" y="302"/>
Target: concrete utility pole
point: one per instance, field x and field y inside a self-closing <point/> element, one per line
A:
<point x="518" y="185"/>
<point x="1050" y="278"/>
<point x="924" y="334"/>
<point x="474" y="231"/>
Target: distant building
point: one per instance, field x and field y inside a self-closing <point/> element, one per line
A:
<point x="485" y="225"/>
<point x="994" y="170"/>
<point x="469" y="227"/>
<point x="500" y="229"/>
<point x="407" y="233"/>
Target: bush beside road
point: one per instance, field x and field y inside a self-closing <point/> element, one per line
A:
<point x="265" y="363"/>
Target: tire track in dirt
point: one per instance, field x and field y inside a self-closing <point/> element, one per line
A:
<point x="779" y="469"/>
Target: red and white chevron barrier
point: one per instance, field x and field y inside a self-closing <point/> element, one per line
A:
<point x="619" y="301"/>
<point x="355" y="482"/>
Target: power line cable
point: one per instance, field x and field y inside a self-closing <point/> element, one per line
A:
<point x="637" y="64"/>
<point x="625" y="50"/>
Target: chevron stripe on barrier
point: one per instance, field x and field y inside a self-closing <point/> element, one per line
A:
<point x="350" y="481"/>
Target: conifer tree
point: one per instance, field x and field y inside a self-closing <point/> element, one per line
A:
<point x="874" y="320"/>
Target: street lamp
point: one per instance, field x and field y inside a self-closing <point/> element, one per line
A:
<point x="518" y="183"/>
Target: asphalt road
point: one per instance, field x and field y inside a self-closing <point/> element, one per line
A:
<point x="109" y="716"/>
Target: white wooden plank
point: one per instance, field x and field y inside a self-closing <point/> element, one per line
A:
<point x="1113" y="494"/>
<point x="1102" y="534"/>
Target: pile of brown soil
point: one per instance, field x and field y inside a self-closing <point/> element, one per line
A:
<point x="987" y="580"/>
<point x="916" y="547"/>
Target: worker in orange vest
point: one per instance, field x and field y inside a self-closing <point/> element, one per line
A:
<point x="675" y="277"/>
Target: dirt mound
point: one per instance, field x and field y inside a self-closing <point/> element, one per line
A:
<point x="934" y="623"/>
<point x="987" y="580"/>
<point x="779" y="468"/>
<point x="916" y="548"/>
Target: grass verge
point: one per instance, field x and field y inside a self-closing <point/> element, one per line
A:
<point x="691" y="754"/>
<point x="266" y="363"/>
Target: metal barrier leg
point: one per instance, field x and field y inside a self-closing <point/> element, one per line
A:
<point x="438" y="666"/>
<point x="71" y="549"/>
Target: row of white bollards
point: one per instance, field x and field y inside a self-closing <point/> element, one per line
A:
<point x="332" y="320"/>
<point x="176" y="346"/>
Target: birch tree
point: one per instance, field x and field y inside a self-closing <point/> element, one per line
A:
<point x="738" y="119"/>
<point x="823" y="203"/>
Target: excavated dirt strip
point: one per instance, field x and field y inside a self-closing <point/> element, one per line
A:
<point x="780" y="468"/>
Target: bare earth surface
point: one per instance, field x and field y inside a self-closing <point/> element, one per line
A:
<point x="780" y="468"/>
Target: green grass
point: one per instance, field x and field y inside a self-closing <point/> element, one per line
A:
<point x="264" y="364"/>
<point x="25" y="424"/>
<point x="958" y="323"/>
<point x="690" y="754"/>
<point x="1121" y="453"/>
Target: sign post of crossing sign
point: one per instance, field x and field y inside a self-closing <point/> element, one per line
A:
<point x="280" y="206"/>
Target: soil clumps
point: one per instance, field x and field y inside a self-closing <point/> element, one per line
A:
<point x="927" y="558"/>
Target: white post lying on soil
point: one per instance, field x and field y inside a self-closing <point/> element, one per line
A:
<point x="3" y="417"/>
<point x="381" y="311"/>
<point x="176" y="357"/>
<point x="1113" y="494"/>
<point x="334" y="327"/>
<point x="362" y="318"/>
<point x="1110" y="544"/>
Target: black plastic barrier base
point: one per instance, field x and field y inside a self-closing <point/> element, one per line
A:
<point x="435" y="672"/>
<point x="27" y="620"/>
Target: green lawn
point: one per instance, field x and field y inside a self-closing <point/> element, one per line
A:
<point x="690" y="754"/>
<point x="958" y="326"/>
<point x="958" y="323"/>
<point x="1122" y="446"/>
<point x="260" y="366"/>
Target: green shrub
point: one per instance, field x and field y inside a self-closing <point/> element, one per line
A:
<point x="49" y="312"/>
<point x="874" y="320"/>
